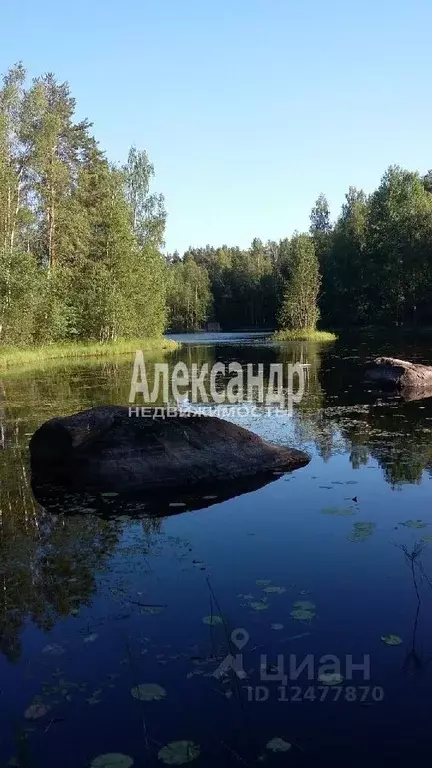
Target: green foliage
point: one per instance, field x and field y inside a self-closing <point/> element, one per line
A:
<point x="148" y="213"/>
<point x="398" y="247"/>
<point x="299" y="310"/>
<point x="373" y="266"/>
<point x="81" y="245"/>
<point x="320" y="217"/>
<point x="345" y="276"/>
<point x="80" y="239"/>
<point x="244" y="285"/>
<point x="20" y="296"/>
<point x="306" y="335"/>
<point x="189" y="296"/>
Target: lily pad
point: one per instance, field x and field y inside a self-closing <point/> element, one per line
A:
<point x="153" y="610"/>
<point x="414" y="524"/>
<point x="212" y="621"/>
<point x="36" y="710"/>
<point x="426" y="539"/>
<point x="54" y="649"/>
<point x="109" y="494"/>
<point x="362" y="531"/>
<point x="273" y="590"/>
<point x="148" y="692"/>
<point x="263" y="582"/>
<point x="306" y="605"/>
<point x="302" y="614"/>
<point x="330" y="678"/>
<point x="276" y="627"/>
<point x="278" y="745"/>
<point x="91" y="638"/>
<point x="179" y="752"/>
<point x="112" y="760"/>
<point x="259" y="605"/>
<point x="338" y="511"/>
<point x="95" y="698"/>
<point x="392" y="639"/>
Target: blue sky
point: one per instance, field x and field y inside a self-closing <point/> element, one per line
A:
<point x="248" y="108"/>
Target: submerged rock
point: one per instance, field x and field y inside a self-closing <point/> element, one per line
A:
<point x="104" y="449"/>
<point x="401" y="375"/>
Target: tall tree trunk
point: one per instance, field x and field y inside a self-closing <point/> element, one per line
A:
<point x="51" y="215"/>
<point x="16" y="211"/>
<point x="51" y="230"/>
<point x="8" y="217"/>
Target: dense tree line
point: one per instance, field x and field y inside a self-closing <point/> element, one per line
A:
<point x="81" y="244"/>
<point x="80" y="239"/>
<point x="373" y="265"/>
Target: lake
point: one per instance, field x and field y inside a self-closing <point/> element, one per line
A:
<point x="123" y="632"/>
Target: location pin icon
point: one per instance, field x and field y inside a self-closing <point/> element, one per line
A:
<point x="240" y="637"/>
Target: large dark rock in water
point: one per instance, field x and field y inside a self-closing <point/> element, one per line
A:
<point x="400" y="374"/>
<point x="104" y="449"/>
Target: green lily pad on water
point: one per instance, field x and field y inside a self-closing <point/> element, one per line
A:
<point x="330" y="678"/>
<point x="392" y="639"/>
<point x="212" y="621"/>
<point x="148" y="692"/>
<point x="414" y="524"/>
<point x="112" y="760"/>
<point x="276" y="627"/>
<point x="179" y="752"/>
<point x="362" y="531"/>
<point x="302" y="614"/>
<point x="153" y="610"/>
<point x="54" y="649"/>
<point x="36" y="710"/>
<point x="263" y="582"/>
<point x="306" y="605"/>
<point x="259" y="605"/>
<point x="426" y="539"/>
<point x="273" y="590"/>
<point x="278" y="745"/>
<point x="337" y="511"/>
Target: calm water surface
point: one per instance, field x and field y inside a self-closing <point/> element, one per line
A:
<point x="93" y="605"/>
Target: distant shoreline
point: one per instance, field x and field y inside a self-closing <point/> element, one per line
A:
<point x="11" y="357"/>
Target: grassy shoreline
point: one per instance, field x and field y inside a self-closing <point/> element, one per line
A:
<point x="304" y="336"/>
<point x="11" y="357"/>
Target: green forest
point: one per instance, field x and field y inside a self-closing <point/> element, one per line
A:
<point x="82" y="252"/>
<point x="372" y="266"/>
<point x="80" y="238"/>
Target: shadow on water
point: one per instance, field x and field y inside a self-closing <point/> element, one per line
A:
<point x="117" y="613"/>
<point x="161" y="503"/>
